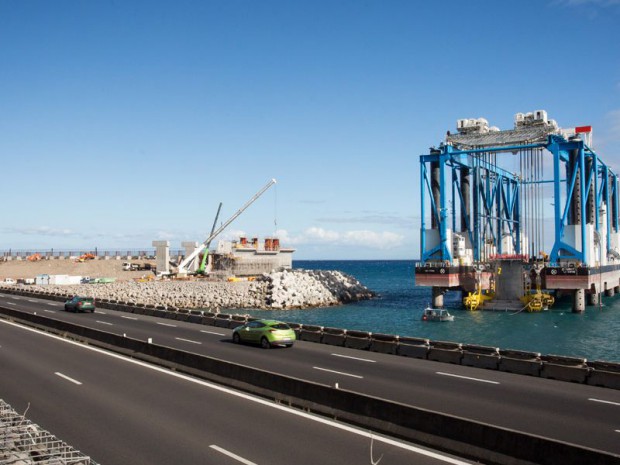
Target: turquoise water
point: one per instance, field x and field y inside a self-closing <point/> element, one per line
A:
<point x="594" y="334"/>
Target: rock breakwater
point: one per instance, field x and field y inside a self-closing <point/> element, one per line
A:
<point x="289" y="289"/>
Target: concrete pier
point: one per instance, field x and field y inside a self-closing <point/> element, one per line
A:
<point x="438" y="293"/>
<point x="593" y="298"/>
<point x="579" y="301"/>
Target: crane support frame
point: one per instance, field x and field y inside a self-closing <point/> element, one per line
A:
<point x="585" y="196"/>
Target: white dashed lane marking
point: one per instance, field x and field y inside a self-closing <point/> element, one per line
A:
<point x="467" y="377"/>
<point x="338" y="372"/>
<point x="231" y="455"/>
<point x="68" y="379"/>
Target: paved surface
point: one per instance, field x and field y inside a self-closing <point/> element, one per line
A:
<point x="93" y="268"/>
<point x="574" y="413"/>
<point x="120" y="411"/>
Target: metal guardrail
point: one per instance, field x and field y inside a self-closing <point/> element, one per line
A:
<point x="22" y="441"/>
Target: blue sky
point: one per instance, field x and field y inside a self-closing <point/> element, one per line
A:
<point x="126" y="121"/>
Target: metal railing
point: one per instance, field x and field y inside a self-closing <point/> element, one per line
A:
<point x="22" y="441"/>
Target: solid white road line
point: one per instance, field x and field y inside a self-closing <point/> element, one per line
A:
<point x="187" y="340"/>
<point x="128" y="317"/>
<point x="355" y="358"/>
<point x="166" y="324"/>
<point x="338" y="372"/>
<point x="251" y="398"/>
<point x="605" y="401"/>
<point x="467" y="377"/>
<point x="68" y="379"/>
<point x="212" y="332"/>
<point x="104" y="323"/>
<point x="231" y="455"/>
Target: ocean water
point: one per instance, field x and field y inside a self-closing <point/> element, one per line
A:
<point x="594" y="334"/>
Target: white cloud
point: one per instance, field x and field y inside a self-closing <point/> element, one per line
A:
<point x="359" y="238"/>
<point x="40" y="231"/>
<point x="373" y="218"/>
<point x="315" y="234"/>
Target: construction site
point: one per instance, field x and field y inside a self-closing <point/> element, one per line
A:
<point x="515" y="219"/>
<point x="239" y="259"/>
<point x="231" y="259"/>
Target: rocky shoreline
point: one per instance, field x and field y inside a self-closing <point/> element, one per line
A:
<point x="282" y="290"/>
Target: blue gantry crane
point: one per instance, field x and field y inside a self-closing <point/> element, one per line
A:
<point x="535" y="201"/>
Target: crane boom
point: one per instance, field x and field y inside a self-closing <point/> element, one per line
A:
<point x="203" y="264"/>
<point x="184" y="264"/>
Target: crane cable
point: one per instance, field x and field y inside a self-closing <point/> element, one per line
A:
<point x="275" y="210"/>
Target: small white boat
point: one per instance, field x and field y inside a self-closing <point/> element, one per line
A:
<point x="436" y="314"/>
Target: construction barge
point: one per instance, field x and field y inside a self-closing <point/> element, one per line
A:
<point x="516" y="218"/>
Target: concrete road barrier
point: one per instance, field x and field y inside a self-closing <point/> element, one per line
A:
<point x="334" y="336"/>
<point x="195" y="318"/>
<point x="384" y="343"/>
<point x="208" y="319"/>
<point x="564" y="368"/>
<point x="222" y="320"/>
<point x="106" y="305"/>
<point x="156" y="312"/>
<point x="311" y="333"/>
<point x="237" y="320"/>
<point x="295" y="327"/>
<point x="180" y="315"/>
<point x="480" y="356"/>
<point x="519" y="361"/>
<point x="358" y="340"/>
<point x="128" y="307"/>
<point x="413" y="347"/>
<point x="447" y="352"/>
<point x="604" y="374"/>
<point x="607" y="366"/>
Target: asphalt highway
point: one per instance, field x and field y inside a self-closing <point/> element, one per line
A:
<point x="121" y="411"/>
<point x="578" y="414"/>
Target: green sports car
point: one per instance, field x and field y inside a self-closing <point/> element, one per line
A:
<point x="267" y="333"/>
<point x="80" y="304"/>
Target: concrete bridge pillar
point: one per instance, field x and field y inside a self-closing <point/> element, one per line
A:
<point x="610" y="292"/>
<point x="579" y="301"/>
<point x="190" y="247"/>
<point x="162" y="256"/>
<point x="438" y="293"/>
